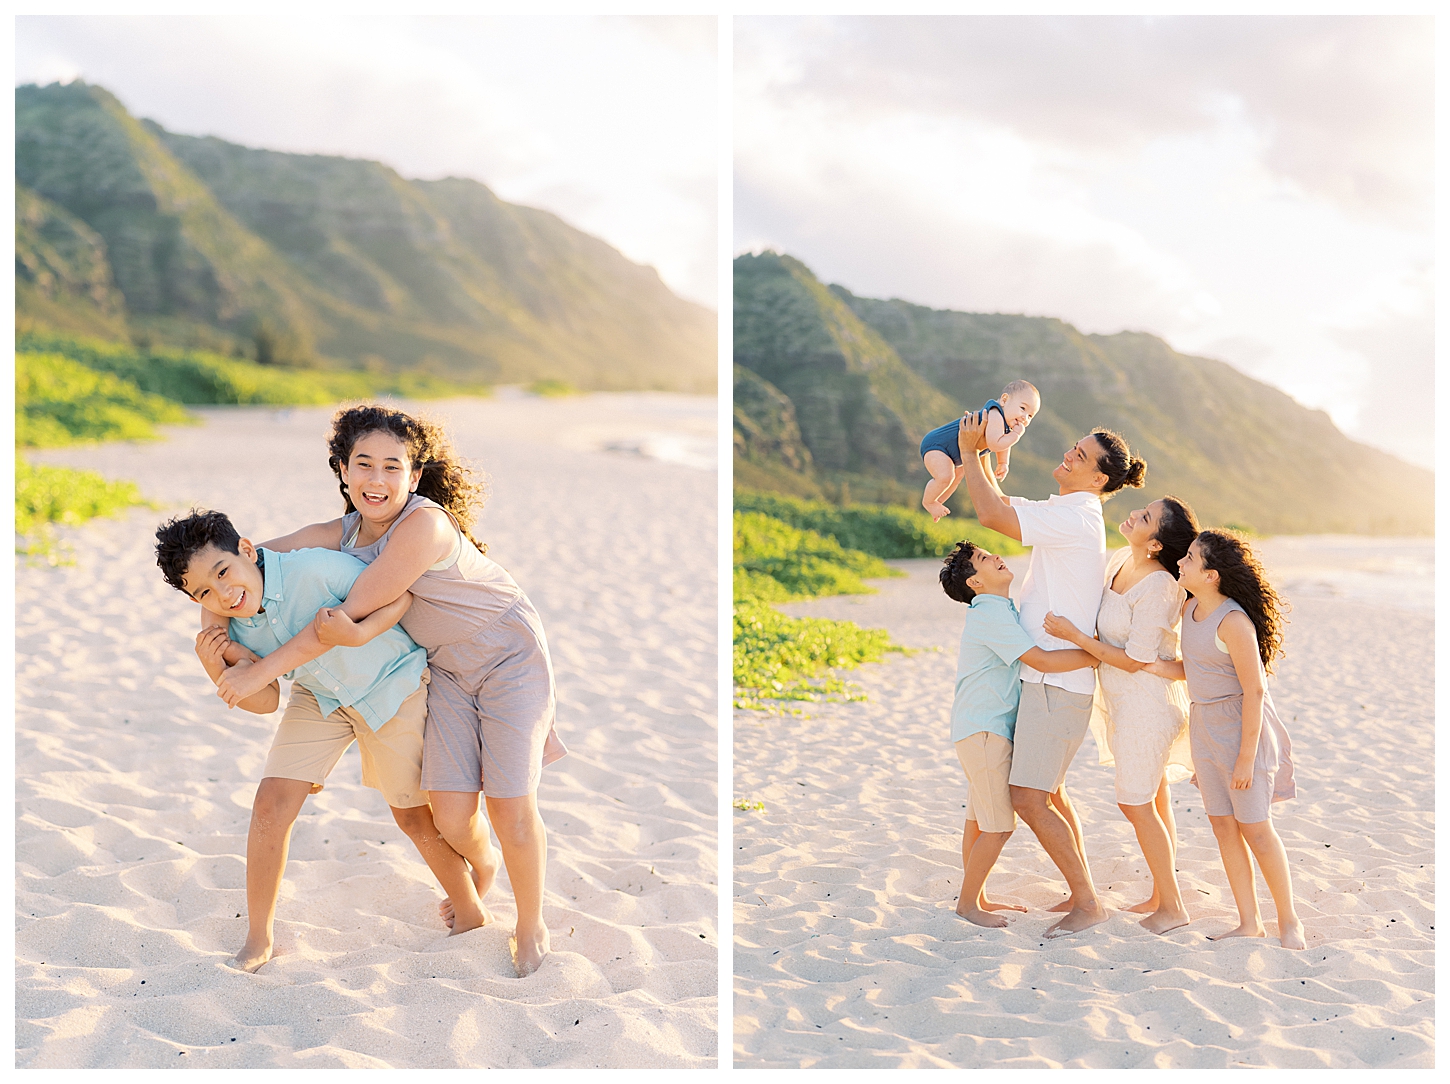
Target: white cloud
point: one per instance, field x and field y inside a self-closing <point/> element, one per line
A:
<point x="608" y="122"/>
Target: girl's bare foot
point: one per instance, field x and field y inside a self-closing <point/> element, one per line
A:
<point x="529" y="949"/>
<point x="1247" y="929"/>
<point x="1291" y="935"/>
<point x="982" y="918"/>
<point x="1147" y="907"/>
<point x="1165" y="919"/>
<point x="984" y="904"/>
<point x="251" y="956"/>
<point x="483" y="877"/>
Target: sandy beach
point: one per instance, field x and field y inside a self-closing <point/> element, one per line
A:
<point x="134" y="782"/>
<point x="847" y="948"/>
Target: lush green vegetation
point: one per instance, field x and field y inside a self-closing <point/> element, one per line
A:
<point x="59" y="401"/>
<point x="775" y="562"/>
<point x="552" y="389"/>
<point x="198" y="377"/>
<point x="48" y="495"/>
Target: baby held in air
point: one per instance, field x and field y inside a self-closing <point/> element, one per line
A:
<point x="1007" y="419"/>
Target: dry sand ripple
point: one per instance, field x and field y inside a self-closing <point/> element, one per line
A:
<point x="134" y="782"/>
<point x="848" y="951"/>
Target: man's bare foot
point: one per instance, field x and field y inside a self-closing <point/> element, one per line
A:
<point x="982" y="918"/>
<point x="529" y="950"/>
<point x="1065" y="905"/>
<point x="1291" y="935"/>
<point x="483" y="877"/>
<point x="984" y="904"/>
<point x="1078" y="919"/>
<point x="1147" y="907"/>
<point x="251" y="956"/>
<point x="937" y="510"/>
<point x="1246" y="929"/>
<point x="1165" y="919"/>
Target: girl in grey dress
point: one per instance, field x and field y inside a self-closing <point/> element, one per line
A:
<point x="1231" y="634"/>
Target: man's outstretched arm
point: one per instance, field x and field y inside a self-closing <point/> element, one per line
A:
<point x="991" y="505"/>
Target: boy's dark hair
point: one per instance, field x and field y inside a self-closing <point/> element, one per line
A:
<point x="180" y="539"/>
<point x="957" y="569"/>
<point x="1121" y="466"/>
<point x="1177" y="528"/>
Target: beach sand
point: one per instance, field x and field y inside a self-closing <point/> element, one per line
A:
<point x="847" y="948"/>
<point x="134" y="782"/>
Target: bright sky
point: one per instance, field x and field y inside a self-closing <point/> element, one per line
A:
<point x="1256" y="189"/>
<point x="609" y="122"/>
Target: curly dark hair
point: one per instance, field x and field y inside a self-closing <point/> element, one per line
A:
<point x="957" y="569"/>
<point x="1241" y="577"/>
<point x="1121" y="466"/>
<point x="181" y="538"/>
<point x="445" y="479"/>
<point x="1177" y="528"/>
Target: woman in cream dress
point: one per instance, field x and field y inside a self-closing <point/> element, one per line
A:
<point x="1147" y="716"/>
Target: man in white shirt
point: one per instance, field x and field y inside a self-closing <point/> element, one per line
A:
<point x="1065" y="576"/>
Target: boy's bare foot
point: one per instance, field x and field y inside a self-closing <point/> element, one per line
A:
<point x="1147" y="907"/>
<point x="251" y="956"/>
<point x="1077" y="920"/>
<point x="528" y="950"/>
<point x="1163" y="920"/>
<point x="1292" y="935"/>
<point x="937" y="510"/>
<point x="450" y="919"/>
<point x="985" y="904"/>
<point x="982" y="918"/>
<point x="1247" y="929"/>
<point x="483" y="878"/>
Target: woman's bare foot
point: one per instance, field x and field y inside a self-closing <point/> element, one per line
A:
<point x="1246" y="929"/>
<point x="1291" y="935"/>
<point x="1077" y="920"/>
<point x="251" y="956"/>
<point x="1147" y="907"/>
<point x="984" y="904"/>
<point x="982" y="918"/>
<point x="1165" y="919"/>
<point x="528" y="950"/>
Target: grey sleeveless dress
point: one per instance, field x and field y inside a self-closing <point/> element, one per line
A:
<point x="491" y="698"/>
<point x="1215" y="726"/>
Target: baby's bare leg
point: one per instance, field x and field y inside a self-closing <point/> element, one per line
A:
<point x="943" y="480"/>
<point x="274" y="811"/>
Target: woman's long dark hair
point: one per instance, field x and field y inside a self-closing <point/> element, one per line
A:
<point x="444" y="480"/>
<point x="1241" y="577"/>
<point x="1177" y="528"/>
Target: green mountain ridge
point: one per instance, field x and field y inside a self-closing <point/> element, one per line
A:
<point x="309" y="259"/>
<point x="1238" y="451"/>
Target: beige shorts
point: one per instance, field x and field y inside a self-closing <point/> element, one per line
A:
<point x="308" y="746"/>
<point x="987" y="760"/>
<point x="1051" y="724"/>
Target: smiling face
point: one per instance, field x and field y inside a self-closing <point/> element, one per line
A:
<point x="1141" y="528"/>
<point x="379" y="476"/>
<point x="1192" y="576"/>
<point x="1020" y="408"/>
<point x="228" y="584"/>
<point x="991" y="575"/>
<point x="1078" y="472"/>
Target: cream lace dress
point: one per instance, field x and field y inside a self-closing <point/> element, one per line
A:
<point x="1141" y="724"/>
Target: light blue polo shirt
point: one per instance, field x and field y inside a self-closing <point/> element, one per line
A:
<point x="988" y="669"/>
<point x="374" y="679"/>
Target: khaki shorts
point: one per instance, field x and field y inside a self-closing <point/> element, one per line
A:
<point x="308" y="746"/>
<point x="1051" y="724"/>
<point x="987" y="760"/>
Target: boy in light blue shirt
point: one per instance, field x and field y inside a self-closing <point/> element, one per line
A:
<point x="984" y="712"/>
<point x="374" y="694"/>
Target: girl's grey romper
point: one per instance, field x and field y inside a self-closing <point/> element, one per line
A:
<point x="491" y="699"/>
<point x="1216" y="726"/>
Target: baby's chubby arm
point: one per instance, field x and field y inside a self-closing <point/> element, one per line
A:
<point x="213" y="648"/>
<point x="999" y="437"/>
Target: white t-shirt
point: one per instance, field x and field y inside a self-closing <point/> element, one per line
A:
<point x="1065" y="576"/>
